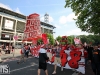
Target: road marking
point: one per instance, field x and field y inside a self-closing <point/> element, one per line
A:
<point x="21" y="68"/>
<point x="12" y="59"/>
<point x="75" y="73"/>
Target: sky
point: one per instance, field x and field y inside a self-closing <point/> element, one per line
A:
<point x="60" y="17"/>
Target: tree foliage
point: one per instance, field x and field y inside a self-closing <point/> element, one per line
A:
<point x="94" y="39"/>
<point x="39" y="41"/>
<point x="51" y="38"/>
<point x="70" y="39"/>
<point x="88" y="12"/>
<point x="58" y="38"/>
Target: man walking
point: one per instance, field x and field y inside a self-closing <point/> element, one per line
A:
<point x="43" y="60"/>
<point x="57" y="60"/>
<point x="94" y="58"/>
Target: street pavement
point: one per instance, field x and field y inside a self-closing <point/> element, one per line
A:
<point x="31" y="65"/>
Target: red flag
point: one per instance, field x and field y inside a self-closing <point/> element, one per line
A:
<point x="44" y="38"/>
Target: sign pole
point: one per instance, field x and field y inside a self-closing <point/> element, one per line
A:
<point x="14" y="48"/>
<point x="15" y="38"/>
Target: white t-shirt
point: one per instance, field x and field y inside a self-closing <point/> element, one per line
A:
<point x="42" y="50"/>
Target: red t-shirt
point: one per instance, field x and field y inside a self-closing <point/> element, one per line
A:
<point x="85" y="54"/>
<point x="26" y="47"/>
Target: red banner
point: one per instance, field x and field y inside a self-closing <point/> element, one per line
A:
<point x="33" y="27"/>
<point x="44" y="38"/>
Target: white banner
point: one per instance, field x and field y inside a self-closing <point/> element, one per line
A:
<point x="8" y="24"/>
<point x="77" y="41"/>
<point x="81" y="62"/>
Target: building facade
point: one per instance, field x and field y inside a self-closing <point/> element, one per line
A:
<point x="12" y="24"/>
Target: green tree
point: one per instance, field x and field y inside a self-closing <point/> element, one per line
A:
<point x="70" y="40"/>
<point x="51" y="38"/>
<point x="58" y="38"/>
<point x="88" y="12"/>
<point x="91" y="38"/>
<point x="39" y="41"/>
<point x="94" y="39"/>
<point x="83" y="38"/>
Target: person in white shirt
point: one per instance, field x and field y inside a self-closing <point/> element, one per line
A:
<point x="43" y="60"/>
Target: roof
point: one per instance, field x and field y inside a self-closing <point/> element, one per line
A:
<point x="46" y="24"/>
<point x="10" y="12"/>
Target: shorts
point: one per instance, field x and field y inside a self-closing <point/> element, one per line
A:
<point x="43" y="66"/>
<point x="57" y="60"/>
<point x="49" y="55"/>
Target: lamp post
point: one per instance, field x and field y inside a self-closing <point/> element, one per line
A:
<point x="14" y="46"/>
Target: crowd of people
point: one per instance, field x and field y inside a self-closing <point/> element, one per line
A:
<point x="45" y="54"/>
<point x="91" y="54"/>
<point x="93" y="57"/>
<point x="7" y="49"/>
<point x="26" y="49"/>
